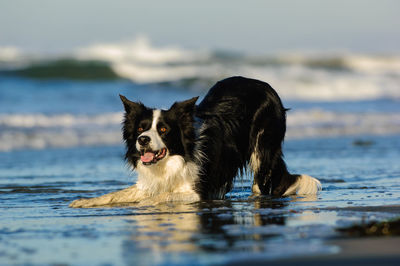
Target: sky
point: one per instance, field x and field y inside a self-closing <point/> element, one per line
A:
<point x="245" y="26"/>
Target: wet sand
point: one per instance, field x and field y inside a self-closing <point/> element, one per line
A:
<point x="350" y="250"/>
<point x="388" y="209"/>
<point x="361" y="251"/>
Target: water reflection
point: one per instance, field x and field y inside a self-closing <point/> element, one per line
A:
<point x="216" y="226"/>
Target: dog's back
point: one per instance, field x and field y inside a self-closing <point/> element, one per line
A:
<point x="243" y="124"/>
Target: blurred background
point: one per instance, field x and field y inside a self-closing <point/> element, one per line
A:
<point x="336" y="64"/>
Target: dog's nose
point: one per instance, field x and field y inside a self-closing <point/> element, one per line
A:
<point x="144" y="140"/>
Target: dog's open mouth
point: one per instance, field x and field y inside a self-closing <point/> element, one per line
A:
<point x="151" y="157"/>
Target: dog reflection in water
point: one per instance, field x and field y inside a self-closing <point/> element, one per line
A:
<point x="204" y="226"/>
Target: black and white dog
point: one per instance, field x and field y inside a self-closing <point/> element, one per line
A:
<point x="191" y="153"/>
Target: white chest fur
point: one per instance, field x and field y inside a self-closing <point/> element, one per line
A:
<point x="170" y="175"/>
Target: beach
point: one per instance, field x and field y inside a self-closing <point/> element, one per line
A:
<point x="39" y="228"/>
<point x="60" y="140"/>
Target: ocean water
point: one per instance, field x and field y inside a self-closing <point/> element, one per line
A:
<point x="60" y="139"/>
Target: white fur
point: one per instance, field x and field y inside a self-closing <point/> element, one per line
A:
<point x="255" y="188"/>
<point x="171" y="174"/>
<point x="305" y="185"/>
<point x="255" y="162"/>
<point x="156" y="142"/>
<point x="171" y="179"/>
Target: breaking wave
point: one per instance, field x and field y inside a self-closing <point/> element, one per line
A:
<point x="39" y="131"/>
<point x="322" y="123"/>
<point x="299" y="76"/>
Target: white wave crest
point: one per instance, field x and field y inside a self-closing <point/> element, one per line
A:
<point x="296" y="76"/>
<point x="59" y="120"/>
<point x="374" y="65"/>
<point x="39" y="131"/>
<point x="139" y="51"/>
<point x="321" y="123"/>
<point x="303" y="83"/>
<point x="141" y="62"/>
<point x="16" y="140"/>
<point x="312" y="77"/>
<point x="9" y="53"/>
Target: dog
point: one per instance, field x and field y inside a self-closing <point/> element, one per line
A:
<point x="191" y="153"/>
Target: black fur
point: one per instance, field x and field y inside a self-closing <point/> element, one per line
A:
<point x="234" y="111"/>
<point x="135" y="113"/>
<point x="221" y="134"/>
<point x="181" y="138"/>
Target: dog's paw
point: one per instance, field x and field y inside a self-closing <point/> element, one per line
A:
<point x="83" y="203"/>
<point x="147" y="203"/>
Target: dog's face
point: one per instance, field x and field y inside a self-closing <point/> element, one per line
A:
<point x="153" y="135"/>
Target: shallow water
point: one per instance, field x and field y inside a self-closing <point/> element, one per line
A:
<point x="37" y="227"/>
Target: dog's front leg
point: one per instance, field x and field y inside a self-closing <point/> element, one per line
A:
<point x="130" y="194"/>
<point x="183" y="197"/>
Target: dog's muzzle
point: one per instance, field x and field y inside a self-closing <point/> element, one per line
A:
<point x="148" y="155"/>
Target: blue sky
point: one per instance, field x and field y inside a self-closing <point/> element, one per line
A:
<point x="249" y="26"/>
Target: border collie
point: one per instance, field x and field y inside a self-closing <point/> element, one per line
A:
<point x="191" y="153"/>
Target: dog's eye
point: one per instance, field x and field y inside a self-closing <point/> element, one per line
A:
<point x="140" y="129"/>
<point x="163" y="129"/>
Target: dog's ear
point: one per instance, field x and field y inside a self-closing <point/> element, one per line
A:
<point x="184" y="113"/>
<point x="185" y="107"/>
<point x="130" y="106"/>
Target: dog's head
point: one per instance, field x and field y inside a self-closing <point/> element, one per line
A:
<point x="153" y="135"/>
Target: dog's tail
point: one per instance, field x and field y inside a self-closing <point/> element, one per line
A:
<point x="305" y="185"/>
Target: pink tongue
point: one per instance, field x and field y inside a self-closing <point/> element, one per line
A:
<point x="147" y="157"/>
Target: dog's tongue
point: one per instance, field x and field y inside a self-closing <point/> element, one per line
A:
<point x="147" y="157"/>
